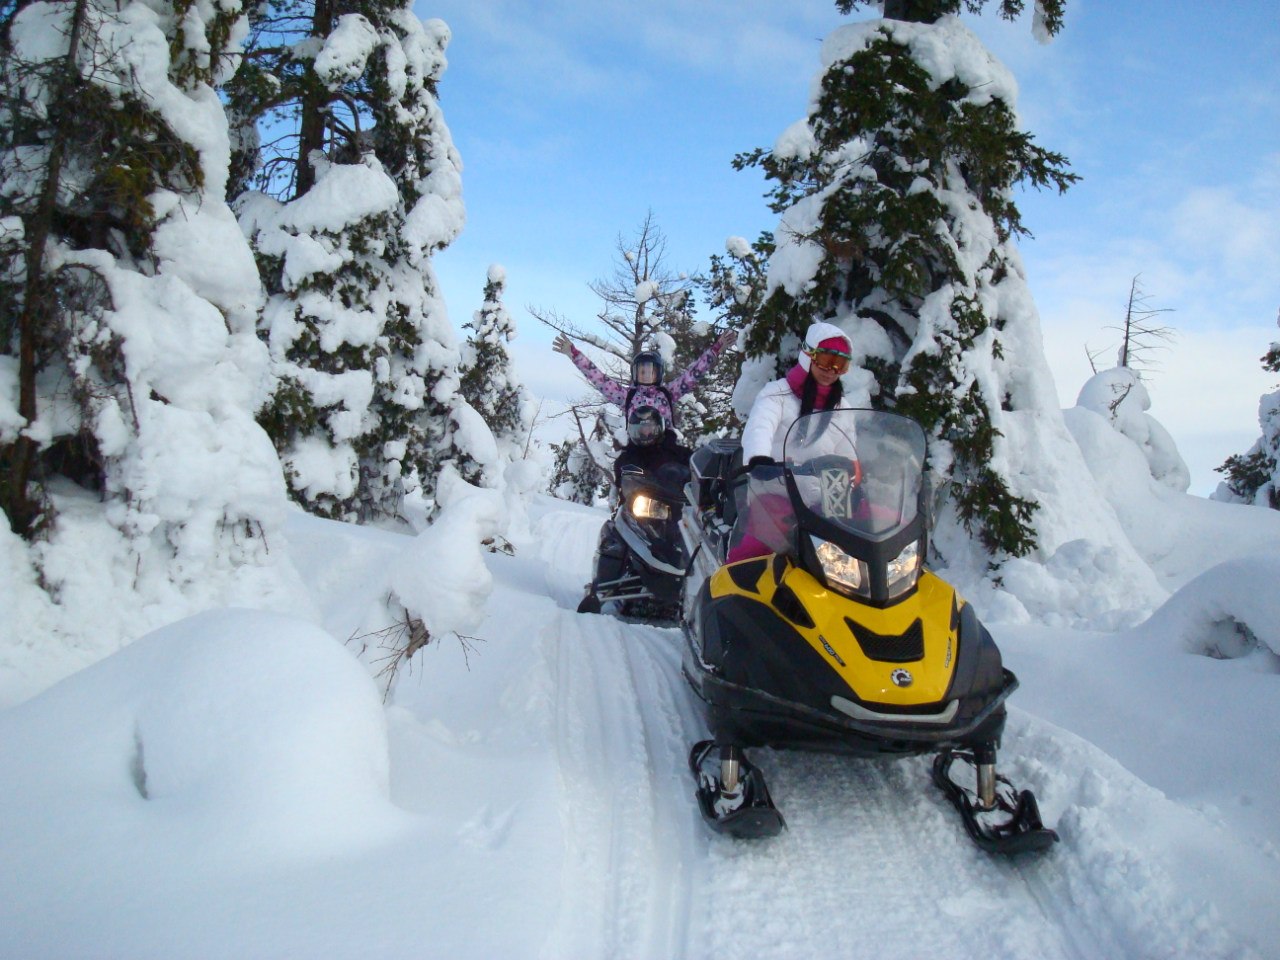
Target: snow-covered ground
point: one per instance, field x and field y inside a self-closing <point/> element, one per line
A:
<point x="233" y="786"/>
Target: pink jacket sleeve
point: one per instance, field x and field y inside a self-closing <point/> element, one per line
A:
<point x="695" y="371"/>
<point x="609" y="388"/>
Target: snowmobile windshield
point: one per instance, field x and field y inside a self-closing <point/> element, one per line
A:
<point x="859" y="470"/>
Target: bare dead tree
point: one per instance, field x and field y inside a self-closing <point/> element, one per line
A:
<point x="1141" y="336"/>
<point x="638" y="299"/>
<point x="596" y="410"/>
<point x="1093" y="356"/>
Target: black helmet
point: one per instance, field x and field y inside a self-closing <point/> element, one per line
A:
<point x="646" y="368"/>
<point x="645" y="426"/>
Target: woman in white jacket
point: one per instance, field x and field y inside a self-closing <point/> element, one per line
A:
<point x="812" y="384"/>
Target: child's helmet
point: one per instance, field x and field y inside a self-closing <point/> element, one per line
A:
<point x="645" y="426"/>
<point x="646" y="368"/>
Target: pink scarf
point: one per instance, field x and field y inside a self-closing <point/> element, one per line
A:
<point x="795" y="380"/>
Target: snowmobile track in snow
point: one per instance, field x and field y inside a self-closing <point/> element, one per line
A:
<point x="629" y="876"/>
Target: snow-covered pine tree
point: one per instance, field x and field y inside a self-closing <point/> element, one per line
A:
<point x="735" y="287"/>
<point x="896" y="195"/>
<point x="1048" y="13"/>
<point x="1254" y="476"/>
<point x="364" y="355"/>
<point x="489" y="381"/>
<point x="129" y="364"/>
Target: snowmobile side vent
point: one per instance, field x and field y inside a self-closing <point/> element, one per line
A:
<point x="905" y="647"/>
<point x="788" y="604"/>
<point x="779" y="567"/>
<point x="747" y="574"/>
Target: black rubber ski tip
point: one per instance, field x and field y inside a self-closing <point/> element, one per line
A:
<point x="756" y="819"/>
<point x="745" y="823"/>
<point x="1023" y="832"/>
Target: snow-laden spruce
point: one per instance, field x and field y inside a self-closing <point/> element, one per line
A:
<point x="490" y="383"/>
<point x="898" y="225"/>
<point x="129" y="389"/>
<point x="364" y="407"/>
<point x="1254" y="476"/>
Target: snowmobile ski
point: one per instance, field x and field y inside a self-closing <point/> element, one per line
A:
<point x="742" y="809"/>
<point x="1009" y="822"/>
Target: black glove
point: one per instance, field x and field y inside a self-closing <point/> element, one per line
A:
<point x="762" y="462"/>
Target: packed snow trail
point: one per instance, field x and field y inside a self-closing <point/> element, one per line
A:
<point x="875" y="862"/>
<point x="621" y="729"/>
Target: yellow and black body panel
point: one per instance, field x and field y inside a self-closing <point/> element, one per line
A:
<point x="780" y="659"/>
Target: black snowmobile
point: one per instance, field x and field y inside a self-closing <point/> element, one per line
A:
<point x="640" y="560"/>
<point x="839" y="640"/>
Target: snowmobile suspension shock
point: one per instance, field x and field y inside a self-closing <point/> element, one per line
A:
<point x="985" y="761"/>
<point x="730" y="768"/>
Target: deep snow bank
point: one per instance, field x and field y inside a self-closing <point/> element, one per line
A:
<point x="252" y="724"/>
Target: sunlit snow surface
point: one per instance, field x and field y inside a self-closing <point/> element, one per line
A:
<point x="232" y="786"/>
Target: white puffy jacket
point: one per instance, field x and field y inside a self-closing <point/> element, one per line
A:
<point x="773" y="412"/>
<point x="776" y="407"/>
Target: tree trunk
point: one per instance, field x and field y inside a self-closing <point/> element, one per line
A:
<point x="312" y="120"/>
<point x="19" y="459"/>
<point x="914" y="11"/>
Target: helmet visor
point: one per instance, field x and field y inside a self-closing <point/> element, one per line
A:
<point x="647" y="371"/>
<point x="645" y="427"/>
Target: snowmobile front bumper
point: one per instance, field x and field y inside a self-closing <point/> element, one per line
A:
<point x="752" y="717"/>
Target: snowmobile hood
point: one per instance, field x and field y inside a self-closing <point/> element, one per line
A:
<point x="901" y="656"/>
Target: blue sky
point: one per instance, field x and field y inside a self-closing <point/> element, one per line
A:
<point x="576" y="119"/>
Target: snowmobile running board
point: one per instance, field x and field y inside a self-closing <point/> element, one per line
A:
<point x="1021" y="832"/>
<point x="752" y="815"/>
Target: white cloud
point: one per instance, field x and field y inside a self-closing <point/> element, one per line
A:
<point x="1231" y="234"/>
<point x="533" y="47"/>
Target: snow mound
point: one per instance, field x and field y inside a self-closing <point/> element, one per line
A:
<point x="238" y="723"/>
<point x="1226" y="612"/>
<point x="1120" y="396"/>
<point x="442" y="577"/>
<point x="1179" y="536"/>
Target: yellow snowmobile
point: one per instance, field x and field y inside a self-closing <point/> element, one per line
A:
<point x="839" y="639"/>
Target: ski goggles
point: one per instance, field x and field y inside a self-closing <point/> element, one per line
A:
<point x="833" y="361"/>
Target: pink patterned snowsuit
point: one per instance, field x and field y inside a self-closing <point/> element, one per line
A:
<point x="649" y="395"/>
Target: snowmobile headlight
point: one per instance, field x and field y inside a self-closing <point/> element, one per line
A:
<point x="904" y="569"/>
<point x="647" y="508"/>
<point x="839" y="568"/>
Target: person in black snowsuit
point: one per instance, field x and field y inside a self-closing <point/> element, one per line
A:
<point x="651" y="445"/>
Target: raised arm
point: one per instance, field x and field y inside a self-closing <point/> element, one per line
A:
<point x="609" y="388"/>
<point x="698" y="369"/>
